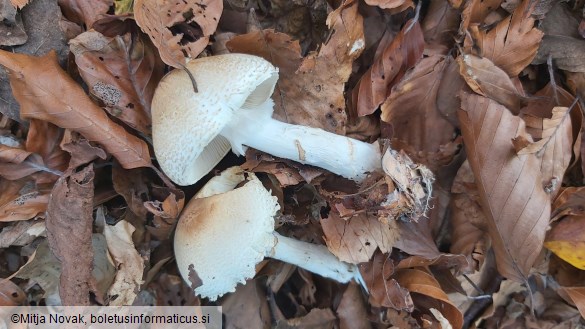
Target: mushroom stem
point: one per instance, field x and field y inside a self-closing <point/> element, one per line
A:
<point x="314" y="258"/>
<point x="341" y="155"/>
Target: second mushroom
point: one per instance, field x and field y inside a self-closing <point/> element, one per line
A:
<point x="224" y="232"/>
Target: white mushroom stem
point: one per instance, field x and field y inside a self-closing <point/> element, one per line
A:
<point x="341" y="155"/>
<point x="314" y="258"/>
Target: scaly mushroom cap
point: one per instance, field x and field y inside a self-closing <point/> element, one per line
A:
<point x="224" y="236"/>
<point x="185" y="124"/>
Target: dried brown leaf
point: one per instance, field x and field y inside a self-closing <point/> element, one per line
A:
<point x="11" y="294"/>
<point x="510" y="185"/>
<point x="352" y="311"/>
<point x="284" y="53"/>
<point x="46" y="92"/>
<point x="576" y="296"/>
<point x="44" y="269"/>
<point x="388" y="4"/>
<point x="19" y="3"/>
<point x="21" y="233"/>
<point x="180" y="30"/>
<point x="85" y="12"/>
<point x="388" y="68"/>
<point x="132" y="186"/>
<point x="412" y="111"/>
<point x="166" y="214"/>
<point x="382" y="288"/>
<point x="469" y="222"/>
<point x="355" y="239"/>
<point x="559" y="125"/>
<point x="43" y="138"/>
<point x="427" y="293"/>
<point x="82" y="152"/>
<point x="128" y="262"/>
<point x="440" y="26"/>
<point x="69" y="230"/>
<point x="486" y="79"/>
<point x="247" y="307"/>
<point x="122" y="71"/>
<point x="16" y="163"/>
<point x="510" y="45"/>
<point x="316" y="318"/>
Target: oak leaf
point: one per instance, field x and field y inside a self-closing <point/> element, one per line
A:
<point x="510" y="185"/>
<point x="46" y="92"/>
<point x="181" y="29"/>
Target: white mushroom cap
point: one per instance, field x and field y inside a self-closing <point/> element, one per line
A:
<point x="224" y="236"/>
<point x="186" y="149"/>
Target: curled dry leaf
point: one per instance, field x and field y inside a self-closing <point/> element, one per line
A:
<point x="128" y="262"/>
<point x="427" y="293"/>
<point x="517" y="212"/>
<point x="486" y="79"/>
<point x="512" y="43"/>
<point x="82" y="152"/>
<point x="181" y="29"/>
<point x="122" y="71"/>
<point x="85" y="12"/>
<point x="383" y="289"/>
<point x="355" y="239"/>
<point x="559" y="129"/>
<point x="165" y="214"/>
<point x="389" y="66"/>
<point x="69" y="230"/>
<point x="46" y="92"/>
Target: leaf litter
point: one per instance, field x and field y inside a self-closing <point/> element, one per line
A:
<point x="474" y="104"/>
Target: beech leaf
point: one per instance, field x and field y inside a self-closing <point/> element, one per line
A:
<point x="46" y="92"/>
<point x="122" y="71"/>
<point x="510" y="185"/>
<point x="512" y="43"/>
<point x="355" y="239"/>
<point x="181" y="29"/>
<point x="389" y="66"/>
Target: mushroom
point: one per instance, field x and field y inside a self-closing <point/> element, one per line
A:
<point x="192" y="131"/>
<point x="223" y="233"/>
